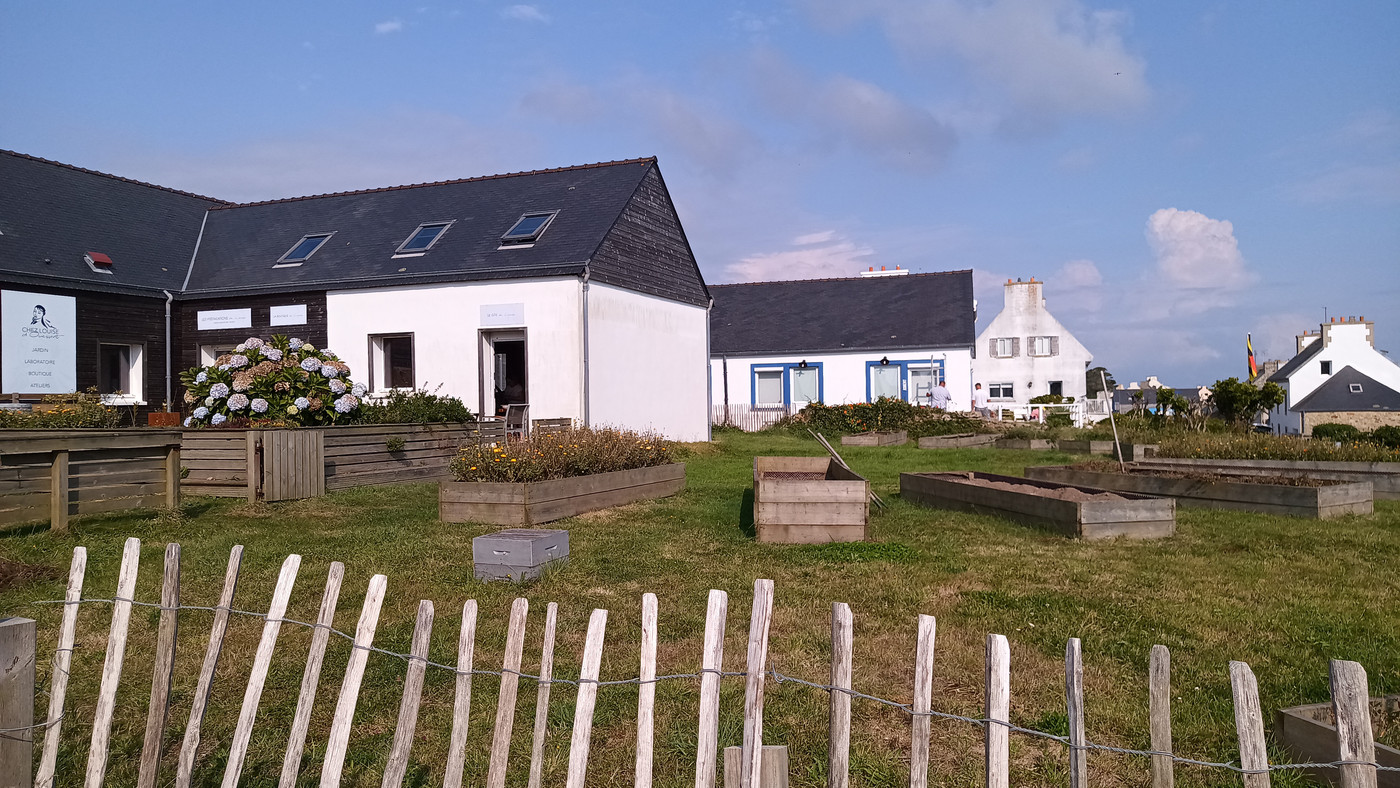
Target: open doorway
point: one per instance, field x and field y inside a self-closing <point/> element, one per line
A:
<point x="504" y="380"/>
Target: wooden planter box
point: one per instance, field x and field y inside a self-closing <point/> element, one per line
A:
<point x="1309" y="735"/>
<point x="893" y="438"/>
<point x="808" y="500"/>
<point x="1316" y="502"/>
<point x="1137" y="517"/>
<point x="1085" y="447"/>
<point x="1383" y="476"/>
<point x="1038" y="444"/>
<point x="962" y="441"/>
<point x="532" y="503"/>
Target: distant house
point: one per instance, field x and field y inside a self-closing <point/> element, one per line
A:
<point x="785" y="344"/>
<point x="1025" y="352"/>
<point x="1340" y="345"/>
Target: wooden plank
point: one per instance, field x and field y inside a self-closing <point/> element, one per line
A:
<point x="339" y="741"/>
<point x="84" y="440"/>
<point x="112" y="666"/>
<point x="159" y="710"/>
<point x="814" y="513"/>
<point x="759" y="621"/>
<point x="18" y="657"/>
<point x="1159" y="675"/>
<point x="810" y="534"/>
<point x="262" y="660"/>
<point x="311" y="677"/>
<point x="838" y="759"/>
<point x="587" y="698"/>
<point x="153" y="501"/>
<point x="397" y="766"/>
<point x="711" y="663"/>
<point x="62" y="661"/>
<point x="998" y="737"/>
<point x="1351" y="705"/>
<point x="551" y="620"/>
<point x="58" y="492"/>
<point x="1074" y="710"/>
<point x="190" y="748"/>
<point x="253" y="463"/>
<point x="1249" y="723"/>
<point x="646" y="693"/>
<point x="505" y="701"/>
<point x="921" y="722"/>
<point x="462" y="701"/>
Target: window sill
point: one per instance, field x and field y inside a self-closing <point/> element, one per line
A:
<point x="402" y="255"/>
<point x="515" y="246"/>
<point x="288" y="265"/>
<point x="113" y="401"/>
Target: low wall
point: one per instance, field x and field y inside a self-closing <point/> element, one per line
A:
<point x="56" y="474"/>
<point x="892" y="438"/>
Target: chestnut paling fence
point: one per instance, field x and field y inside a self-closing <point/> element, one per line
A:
<point x="1355" y="762"/>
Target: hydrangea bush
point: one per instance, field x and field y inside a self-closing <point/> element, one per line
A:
<point x="282" y="380"/>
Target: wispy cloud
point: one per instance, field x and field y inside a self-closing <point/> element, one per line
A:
<point x="818" y="255"/>
<point x="391" y="26"/>
<point x="524" y="13"/>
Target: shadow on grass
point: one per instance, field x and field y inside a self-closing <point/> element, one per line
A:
<point x="746" y="524"/>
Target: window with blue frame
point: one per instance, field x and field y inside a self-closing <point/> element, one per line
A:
<point x="911" y="380"/>
<point x="785" y="384"/>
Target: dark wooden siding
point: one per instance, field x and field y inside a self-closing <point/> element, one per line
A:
<point x="646" y="250"/>
<point x="188" y="337"/>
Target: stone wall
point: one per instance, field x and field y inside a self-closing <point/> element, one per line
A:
<point x="1364" y="420"/>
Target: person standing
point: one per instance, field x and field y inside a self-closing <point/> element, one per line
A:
<point x="980" y="403"/>
<point x="941" y="396"/>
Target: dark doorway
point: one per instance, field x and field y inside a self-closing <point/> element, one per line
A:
<point x="1057" y="387"/>
<point x="511" y="384"/>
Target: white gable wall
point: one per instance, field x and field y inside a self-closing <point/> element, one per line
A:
<point x="844" y="375"/>
<point x="1345" y="344"/>
<point x="1024" y="316"/>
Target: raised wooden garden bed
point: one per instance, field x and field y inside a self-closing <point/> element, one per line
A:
<point x="1038" y="444"/>
<point x="1085" y="447"/>
<point x="1309" y="733"/>
<point x="808" y="500"/>
<point x="1383" y="476"/>
<point x="965" y="440"/>
<point x="1222" y="491"/>
<point x="532" y="503"/>
<point x="892" y="438"/>
<point x="1070" y="509"/>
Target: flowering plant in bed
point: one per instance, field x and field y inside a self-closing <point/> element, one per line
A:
<point x="278" y="381"/>
<point x="561" y="455"/>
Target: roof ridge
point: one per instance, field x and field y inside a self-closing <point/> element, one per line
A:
<point x="76" y="168"/>
<point x="498" y="176"/>
<point x="841" y="278"/>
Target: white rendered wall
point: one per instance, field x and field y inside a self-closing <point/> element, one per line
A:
<point x="843" y="374"/>
<point x="1346" y="345"/>
<point x="647" y="363"/>
<point x="1023" y="316"/>
<point x="445" y="320"/>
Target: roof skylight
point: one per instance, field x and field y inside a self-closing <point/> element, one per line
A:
<point x="302" y="250"/>
<point x="528" y="228"/>
<point x="1356" y="388"/>
<point x="423" y="238"/>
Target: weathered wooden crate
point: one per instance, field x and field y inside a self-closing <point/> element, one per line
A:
<point x="808" y="500"/>
<point x="532" y="503"/>
<point x="1332" y="500"/>
<point x="965" y="440"/>
<point x="1309" y="734"/>
<point x="1036" y="444"/>
<point x="1383" y="476"/>
<point x="890" y="438"/>
<point x="1134" y="516"/>
<point x="1085" y="447"/>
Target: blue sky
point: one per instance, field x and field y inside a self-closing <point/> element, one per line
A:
<point x="1178" y="173"/>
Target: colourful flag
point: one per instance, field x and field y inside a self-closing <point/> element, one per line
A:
<point x="1253" y="369"/>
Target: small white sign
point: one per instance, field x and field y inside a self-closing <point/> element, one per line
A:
<point x="503" y="314"/>
<point x="212" y="319"/>
<point x="38" y="343"/>
<point x="293" y="315"/>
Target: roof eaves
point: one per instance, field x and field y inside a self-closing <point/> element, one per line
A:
<point x="356" y="283"/>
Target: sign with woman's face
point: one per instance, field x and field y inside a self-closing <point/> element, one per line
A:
<point x="38" y="343"/>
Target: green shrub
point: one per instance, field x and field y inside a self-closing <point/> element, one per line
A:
<point x="1388" y="436"/>
<point x="560" y="455"/>
<point x="1246" y="446"/>
<point x="280" y="381"/>
<point x="419" y="406"/>
<point x="394" y="443"/>
<point x="1342" y="433"/>
<point x="882" y="415"/>
<point x="63" y="411"/>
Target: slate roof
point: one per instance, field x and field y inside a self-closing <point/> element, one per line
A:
<point x="1286" y="371"/>
<point x="833" y="315"/>
<point x="241" y="243"/>
<point x="57" y="213"/>
<point x="1336" y="394"/>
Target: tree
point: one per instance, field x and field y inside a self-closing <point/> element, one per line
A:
<point x="1239" y="402"/>
<point x="1093" y="384"/>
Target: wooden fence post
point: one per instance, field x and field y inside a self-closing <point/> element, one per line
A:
<point x="1249" y="723"/>
<point x="462" y="700"/>
<point x="760" y="618"/>
<point x="551" y="624"/>
<point x="838" y="757"/>
<point x="339" y="741"/>
<point x="646" y="693"/>
<point x="172" y="476"/>
<point x="1351" y="703"/>
<point x="17" y="701"/>
<point x="505" y="701"/>
<point x="159" y="710"/>
<point x="998" y="711"/>
<point x="62" y="661"/>
<point x="254" y="469"/>
<point x="711" y="663"/>
<point x="1159" y="677"/>
<point x="775" y="771"/>
<point x="921" y="724"/>
<point x="112" y="665"/>
<point x="58" y="491"/>
<point x="311" y="677"/>
<point x="397" y="766"/>
<point x="1074" y="710"/>
<point x="589" y="667"/>
<point x="190" y="747"/>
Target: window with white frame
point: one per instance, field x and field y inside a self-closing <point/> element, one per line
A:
<point x="208" y="354"/>
<point x="768" y="387"/>
<point x="805" y="384"/>
<point x="1043" y="346"/>
<point x="391" y="362"/>
<point x="1005" y="347"/>
<point x="1001" y="391"/>
<point x="120" y="370"/>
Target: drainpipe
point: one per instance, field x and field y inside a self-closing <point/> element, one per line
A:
<point x="168" y="299"/>
<point x="584" y="286"/>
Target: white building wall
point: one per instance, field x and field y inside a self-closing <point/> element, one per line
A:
<point x="843" y="374"/>
<point x="445" y="320"/>
<point x="1024" y="316"/>
<point x="647" y="363"/>
<point x="1346" y="344"/>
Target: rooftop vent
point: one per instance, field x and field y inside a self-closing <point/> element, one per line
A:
<point x="98" y="262"/>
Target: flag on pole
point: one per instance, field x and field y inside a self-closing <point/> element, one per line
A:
<point x="1253" y="368"/>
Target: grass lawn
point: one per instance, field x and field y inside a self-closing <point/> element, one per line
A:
<point x="1285" y="595"/>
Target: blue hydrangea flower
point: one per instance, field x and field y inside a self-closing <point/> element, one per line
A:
<point x="260" y="405"/>
<point x="346" y="404"/>
<point x="337" y="387"/>
<point x="189" y="420"/>
<point x="329" y="371"/>
<point x="218" y="419"/>
<point x="310" y="364"/>
<point x="302" y="403"/>
<point x="201" y="377"/>
<point x="253" y="342"/>
<point x="240" y="347"/>
<point x="238" y="402"/>
<point x="218" y="390"/>
<point x="294" y="343"/>
<point x="223" y="367"/>
<point x="358" y="389"/>
<point x="238" y="361"/>
<point x="272" y="353"/>
<point x="201" y="412"/>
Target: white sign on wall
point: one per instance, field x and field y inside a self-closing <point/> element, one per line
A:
<point x="38" y="343"/>
<point x="292" y="315"/>
<point x="502" y="315"/>
<point x="211" y="319"/>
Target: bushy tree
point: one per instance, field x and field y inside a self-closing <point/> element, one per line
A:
<point x="1239" y="402"/>
<point x="1094" y="384"/>
<point x="282" y="380"/>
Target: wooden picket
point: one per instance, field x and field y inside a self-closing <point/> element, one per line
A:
<point x="752" y="765"/>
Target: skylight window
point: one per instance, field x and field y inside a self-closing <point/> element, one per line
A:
<point x="423" y="238"/>
<point x="302" y="250"/>
<point x="528" y="228"/>
<point x="1356" y="388"/>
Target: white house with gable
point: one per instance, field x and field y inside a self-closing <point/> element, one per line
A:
<point x="1340" y="343"/>
<point x="1025" y="352"/>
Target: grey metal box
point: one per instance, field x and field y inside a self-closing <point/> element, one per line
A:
<point x="517" y="553"/>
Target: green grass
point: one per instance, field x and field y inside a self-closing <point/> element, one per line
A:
<point x="1283" y="594"/>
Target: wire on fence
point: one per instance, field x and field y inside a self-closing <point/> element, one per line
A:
<point x="778" y="677"/>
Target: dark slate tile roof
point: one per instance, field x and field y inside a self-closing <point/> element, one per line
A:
<point x="1286" y="371"/>
<point x="241" y="243"/>
<point x="58" y="212"/>
<point x="1336" y="394"/>
<point x="875" y="313"/>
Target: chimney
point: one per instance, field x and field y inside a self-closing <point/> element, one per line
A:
<point x="1024" y="297"/>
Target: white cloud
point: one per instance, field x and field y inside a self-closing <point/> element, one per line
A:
<point x="391" y="26"/>
<point x="524" y="13"/>
<point x="1196" y="252"/>
<point x="1079" y="273"/>
<point x="820" y="255"/>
